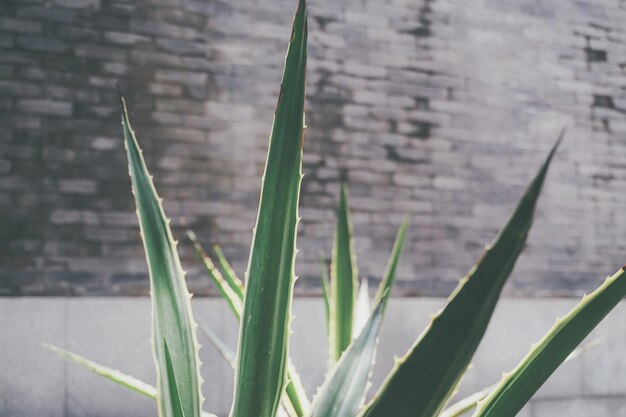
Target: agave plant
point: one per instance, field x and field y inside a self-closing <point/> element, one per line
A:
<point x="266" y="382"/>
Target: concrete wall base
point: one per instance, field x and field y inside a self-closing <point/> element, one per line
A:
<point x="115" y="331"/>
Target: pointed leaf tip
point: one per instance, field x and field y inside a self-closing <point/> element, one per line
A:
<point x="171" y="309"/>
<point x="420" y="385"/>
<point x="264" y="335"/>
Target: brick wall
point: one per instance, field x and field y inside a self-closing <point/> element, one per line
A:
<point x="440" y="108"/>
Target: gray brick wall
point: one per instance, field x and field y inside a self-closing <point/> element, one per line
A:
<point x="439" y="108"/>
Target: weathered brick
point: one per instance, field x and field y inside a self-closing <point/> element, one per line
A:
<point x="184" y="77"/>
<point x="19" y="25"/>
<point x="77" y="4"/>
<point x="42" y="44"/>
<point x="123" y="38"/>
<point x="46" y="107"/>
<point x="76" y="186"/>
<point x="418" y="106"/>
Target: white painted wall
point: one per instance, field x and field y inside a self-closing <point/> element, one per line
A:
<point x="115" y="332"/>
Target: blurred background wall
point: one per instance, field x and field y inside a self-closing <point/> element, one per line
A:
<point x="443" y="109"/>
<point x="439" y="108"/>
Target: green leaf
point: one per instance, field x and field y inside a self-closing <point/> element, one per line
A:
<point x="464" y="405"/>
<point x="174" y="396"/>
<point x="294" y="390"/>
<point x="343" y="391"/>
<point x="116" y="376"/>
<point x="124" y="380"/>
<point x="231" y="297"/>
<point x="264" y="335"/>
<point x="421" y="383"/>
<point x="293" y="395"/>
<point x="518" y="386"/>
<point x="229" y="274"/>
<point x="171" y="310"/>
<point x="386" y="285"/>
<point x="343" y="281"/>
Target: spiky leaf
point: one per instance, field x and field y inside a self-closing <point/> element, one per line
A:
<point x="233" y="298"/>
<point x="421" y="382"/>
<point x="120" y="378"/>
<point x="518" y="386"/>
<point x="464" y="405"/>
<point x="171" y="310"/>
<point x="264" y="335"/>
<point x="229" y="273"/>
<point x="174" y="396"/>
<point x="116" y="376"/>
<point x="298" y="400"/>
<point x="386" y="285"/>
<point x="342" y="393"/>
<point x="343" y="281"/>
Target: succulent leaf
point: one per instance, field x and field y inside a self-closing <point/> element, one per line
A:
<point x="264" y="330"/>
<point x="232" y="298"/>
<point x="116" y="376"/>
<point x="518" y="386"/>
<point x="343" y="281"/>
<point x="229" y="273"/>
<point x="172" y="318"/>
<point x="120" y="378"/>
<point x="174" y="396"/>
<point x="343" y="391"/>
<point x="421" y="382"/>
<point x="464" y="405"/>
<point x="386" y="285"/>
<point x="296" y="394"/>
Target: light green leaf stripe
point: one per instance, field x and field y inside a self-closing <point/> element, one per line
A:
<point x="343" y="281"/>
<point x="519" y="385"/>
<point x="122" y="379"/>
<point x="116" y="376"/>
<point x="232" y="298"/>
<point x="386" y="285"/>
<point x="229" y="274"/>
<point x="421" y="383"/>
<point x="343" y="391"/>
<point x="464" y="405"/>
<point x="264" y="335"/>
<point x="171" y="308"/>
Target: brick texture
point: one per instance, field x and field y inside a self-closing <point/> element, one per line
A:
<point x="437" y="108"/>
